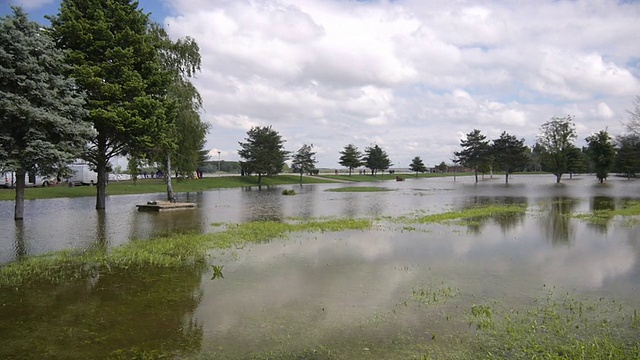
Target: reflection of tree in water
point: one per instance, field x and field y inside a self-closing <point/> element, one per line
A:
<point x="261" y="203"/>
<point x="506" y="221"/>
<point x="599" y="205"/>
<point x="556" y="221"/>
<point x="121" y="314"/>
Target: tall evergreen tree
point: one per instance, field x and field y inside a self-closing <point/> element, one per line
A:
<point x="509" y="153"/>
<point x="115" y="60"/>
<point x="304" y="160"/>
<point x="601" y="153"/>
<point x="417" y="165"/>
<point x="351" y="158"/>
<point x="42" y="125"/>
<point x="376" y="159"/>
<point x="556" y="140"/>
<point x="475" y="151"/>
<point x="263" y="152"/>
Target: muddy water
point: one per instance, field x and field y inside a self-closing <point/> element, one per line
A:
<point x="351" y="291"/>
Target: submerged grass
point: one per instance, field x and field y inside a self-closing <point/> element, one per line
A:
<point x="471" y="213"/>
<point x="171" y="251"/>
<point x="602" y="217"/>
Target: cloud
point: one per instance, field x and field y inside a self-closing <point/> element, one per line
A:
<point x="30" y="4"/>
<point x="408" y="76"/>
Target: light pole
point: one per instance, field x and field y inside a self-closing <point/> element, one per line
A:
<point x="218" y="162"/>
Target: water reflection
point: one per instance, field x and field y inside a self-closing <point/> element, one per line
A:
<point x="74" y="223"/>
<point x="558" y="226"/>
<point x="111" y="315"/>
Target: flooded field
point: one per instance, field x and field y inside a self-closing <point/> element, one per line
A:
<point x="408" y="286"/>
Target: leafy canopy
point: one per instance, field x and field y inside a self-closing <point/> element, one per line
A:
<point x="263" y="152"/>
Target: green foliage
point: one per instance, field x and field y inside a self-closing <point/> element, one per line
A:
<point x="601" y="153"/>
<point x="42" y="125"/>
<point x="115" y="60"/>
<point x="475" y="151"/>
<point x="263" y="152"/>
<point x="288" y="192"/>
<point x="351" y="158"/>
<point x="442" y="167"/>
<point x="555" y="142"/>
<point x="376" y="159"/>
<point x="304" y="161"/>
<point x="509" y="153"/>
<point x="417" y="165"/>
<point x="627" y="160"/>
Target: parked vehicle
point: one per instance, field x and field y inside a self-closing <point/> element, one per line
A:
<point x="8" y="180"/>
<point x="82" y="175"/>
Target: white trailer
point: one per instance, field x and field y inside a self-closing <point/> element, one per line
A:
<point x="82" y="175"/>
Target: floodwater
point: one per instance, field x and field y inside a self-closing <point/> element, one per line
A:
<point x="346" y="290"/>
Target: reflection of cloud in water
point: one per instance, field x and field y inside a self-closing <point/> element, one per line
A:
<point x="326" y="283"/>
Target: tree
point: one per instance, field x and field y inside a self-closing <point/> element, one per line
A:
<point x="442" y="167"/>
<point x="475" y="150"/>
<point x="42" y="125"/>
<point x="509" y="153"/>
<point x="601" y="153"/>
<point x="183" y="135"/>
<point x="556" y="139"/>
<point x="263" y="152"/>
<point x="376" y="159"/>
<point x="417" y="165"/>
<point x="627" y="154"/>
<point x="351" y="158"/>
<point x="576" y="161"/>
<point x="304" y="161"/>
<point x="634" y="117"/>
<point x="115" y="60"/>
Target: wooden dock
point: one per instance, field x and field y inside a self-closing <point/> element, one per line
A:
<point x="164" y="205"/>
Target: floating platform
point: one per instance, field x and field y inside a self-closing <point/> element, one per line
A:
<point x="164" y="205"/>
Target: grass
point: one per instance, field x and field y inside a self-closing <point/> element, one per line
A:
<point x="174" y="251"/>
<point x="471" y="213"/>
<point x="602" y="217"/>
<point x="146" y="186"/>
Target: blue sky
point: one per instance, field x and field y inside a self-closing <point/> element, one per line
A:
<point x="412" y="76"/>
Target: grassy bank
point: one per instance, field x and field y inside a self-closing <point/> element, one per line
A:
<point x="146" y="186"/>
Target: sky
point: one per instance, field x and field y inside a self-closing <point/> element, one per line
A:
<point x="411" y="76"/>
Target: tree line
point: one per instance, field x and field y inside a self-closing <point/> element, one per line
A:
<point x="101" y="81"/>
<point x="554" y="151"/>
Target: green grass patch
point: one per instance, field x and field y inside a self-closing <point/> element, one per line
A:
<point x="602" y="217"/>
<point x="472" y="213"/>
<point x="359" y="189"/>
<point x="162" y="252"/>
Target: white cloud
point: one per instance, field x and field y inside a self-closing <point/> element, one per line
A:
<point x="408" y="76"/>
<point x="30" y="4"/>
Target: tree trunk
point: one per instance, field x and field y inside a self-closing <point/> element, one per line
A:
<point x="167" y="177"/>
<point x="300" y="177"/>
<point x="101" y="192"/>
<point x="19" y="204"/>
<point x="506" y="177"/>
<point x="475" y="171"/>
<point x="558" y="177"/>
